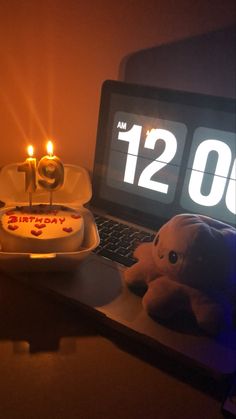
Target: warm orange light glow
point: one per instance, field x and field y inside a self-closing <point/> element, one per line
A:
<point x="50" y="148"/>
<point x="30" y="150"/>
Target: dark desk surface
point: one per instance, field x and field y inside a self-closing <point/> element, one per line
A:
<point x="56" y="362"/>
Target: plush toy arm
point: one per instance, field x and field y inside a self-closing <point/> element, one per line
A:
<point x="211" y="316"/>
<point x="144" y="270"/>
<point x="166" y="297"/>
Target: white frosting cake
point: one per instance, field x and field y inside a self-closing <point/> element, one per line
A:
<point x="41" y="229"/>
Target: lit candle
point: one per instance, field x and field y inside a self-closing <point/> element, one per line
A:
<point x="51" y="170"/>
<point x="29" y="167"/>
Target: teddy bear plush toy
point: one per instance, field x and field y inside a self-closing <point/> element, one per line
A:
<point x="189" y="267"/>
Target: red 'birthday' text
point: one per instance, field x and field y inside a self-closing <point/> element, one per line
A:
<point x="34" y="219"/>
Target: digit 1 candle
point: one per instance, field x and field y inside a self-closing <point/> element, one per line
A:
<point x="51" y="170"/>
<point x="29" y="167"/>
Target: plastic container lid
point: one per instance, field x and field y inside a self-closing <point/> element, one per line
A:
<point x="75" y="192"/>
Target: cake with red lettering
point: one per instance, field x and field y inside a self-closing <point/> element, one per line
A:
<point x="41" y="229"/>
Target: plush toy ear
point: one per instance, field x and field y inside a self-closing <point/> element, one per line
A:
<point x="211" y="259"/>
<point x="144" y="270"/>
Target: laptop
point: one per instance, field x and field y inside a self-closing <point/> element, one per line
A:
<point x="156" y="156"/>
<point x="158" y="153"/>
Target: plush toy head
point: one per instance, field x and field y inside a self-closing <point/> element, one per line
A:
<point x="189" y="266"/>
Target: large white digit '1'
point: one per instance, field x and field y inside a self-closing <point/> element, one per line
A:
<point x="220" y="175"/>
<point x="133" y="138"/>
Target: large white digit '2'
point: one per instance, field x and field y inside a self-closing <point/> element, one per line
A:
<point x="133" y="138"/>
<point x="161" y="161"/>
<point x="219" y="180"/>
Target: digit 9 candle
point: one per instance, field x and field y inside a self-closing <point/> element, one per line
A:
<point x="51" y="171"/>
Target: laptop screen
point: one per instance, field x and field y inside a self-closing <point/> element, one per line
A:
<point x="161" y="152"/>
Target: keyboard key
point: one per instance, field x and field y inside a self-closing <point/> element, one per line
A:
<point x="122" y="251"/>
<point x="111" y="246"/>
<point x="117" y="234"/>
<point x="117" y="258"/>
<point x="147" y="238"/>
<point x="126" y="243"/>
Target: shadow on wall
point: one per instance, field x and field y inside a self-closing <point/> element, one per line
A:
<point x="204" y="64"/>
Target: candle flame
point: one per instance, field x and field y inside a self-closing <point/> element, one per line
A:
<point x="30" y="150"/>
<point x="50" y="148"/>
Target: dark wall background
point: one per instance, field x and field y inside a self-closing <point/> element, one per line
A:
<point x="205" y="63"/>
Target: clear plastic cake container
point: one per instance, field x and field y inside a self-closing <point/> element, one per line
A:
<point x="75" y="193"/>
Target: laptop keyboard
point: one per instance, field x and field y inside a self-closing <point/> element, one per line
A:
<point x="118" y="240"/>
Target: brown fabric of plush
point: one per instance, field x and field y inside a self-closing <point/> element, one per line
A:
<point x="189" y="266"/>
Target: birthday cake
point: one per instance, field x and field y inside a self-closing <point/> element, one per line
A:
<point x="41" y="229"/>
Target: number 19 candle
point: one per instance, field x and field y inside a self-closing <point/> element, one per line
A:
<point x="51" y="170"/>
<point x="29" y="167"/>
